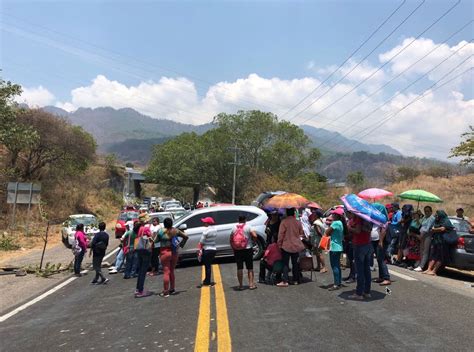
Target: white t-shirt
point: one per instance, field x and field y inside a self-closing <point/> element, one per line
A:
<point x="320" y="225"/>
<point x="208" y="238"/>
<point x="248" y="235"/>
<point x="154" y="230"/>
<point x="375" y="233"/>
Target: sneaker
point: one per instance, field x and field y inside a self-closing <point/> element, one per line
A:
<point x="350" y="281"/>
<point x="334" y="288"/>
<point x="367" y="295"/>
<point x="173" y="291"/>
<point x="142" y="294"/>
<point x="112" y="268"/>
<point x="94" y="282"/>
<point x="164" y="294"/>
<point x="356" y="297"/>
<point x="418" y="269"/>
<point x="78" y="275"/>
<point x="114" y="271"/>
<point x="105" y="282"/>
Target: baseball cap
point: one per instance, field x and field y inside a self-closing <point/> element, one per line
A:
<point x="208" y="220"/>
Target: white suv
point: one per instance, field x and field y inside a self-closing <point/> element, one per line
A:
<point x="226" y="217"/>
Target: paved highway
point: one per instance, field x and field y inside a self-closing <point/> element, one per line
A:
<point x="421" y="314"/>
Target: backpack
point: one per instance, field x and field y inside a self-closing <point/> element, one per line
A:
<point x="75" y="248"/>
<point x="238" y="240"/>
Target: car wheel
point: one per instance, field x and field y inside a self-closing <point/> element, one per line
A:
<point x="258" y="249"/>
<point x="65" y="241"/>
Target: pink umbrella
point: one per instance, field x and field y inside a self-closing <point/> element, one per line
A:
<point x="374" y="193"/>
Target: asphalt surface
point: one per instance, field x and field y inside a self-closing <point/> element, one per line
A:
<point x="426" y="314"/>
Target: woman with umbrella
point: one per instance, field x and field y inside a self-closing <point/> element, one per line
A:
<point x="439" y="254"/>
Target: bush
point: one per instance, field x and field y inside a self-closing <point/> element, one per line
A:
<point x="8" y="243"/>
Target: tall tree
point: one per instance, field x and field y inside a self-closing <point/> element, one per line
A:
<point x="466" y="148"/>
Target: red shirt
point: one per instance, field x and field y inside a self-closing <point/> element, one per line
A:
<point x="362" y="237"/>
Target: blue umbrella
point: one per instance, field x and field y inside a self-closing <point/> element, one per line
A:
<point x="364" y="209"/>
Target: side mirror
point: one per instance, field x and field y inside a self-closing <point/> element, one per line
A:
<point x="183" y="227"/>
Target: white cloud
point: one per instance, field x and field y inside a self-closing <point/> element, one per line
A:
<point x="429" y="127"/>
<point x="36" y="97"/>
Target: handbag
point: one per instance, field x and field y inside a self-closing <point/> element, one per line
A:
<point x="325" y="243"/>
<point x="450" y="237"/>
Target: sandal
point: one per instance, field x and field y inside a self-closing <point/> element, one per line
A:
<point x="252" y="287"/>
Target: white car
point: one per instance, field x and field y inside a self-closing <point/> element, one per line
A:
<point x="226" y="217"/>
<point x="69" y="227"/>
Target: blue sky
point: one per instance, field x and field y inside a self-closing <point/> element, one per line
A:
<point x="63" y="45"/>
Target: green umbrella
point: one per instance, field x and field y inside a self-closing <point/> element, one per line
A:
<point x="420" y="196"/>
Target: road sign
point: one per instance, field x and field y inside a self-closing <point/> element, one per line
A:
<point x="23" y="193"/>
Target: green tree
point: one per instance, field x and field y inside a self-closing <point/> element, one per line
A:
<point x="466" y="148"/>
<point x="407" y="173"/>
<point x="356" y="179"/>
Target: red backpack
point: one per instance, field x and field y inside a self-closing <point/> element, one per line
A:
<point x="238" y="240"/>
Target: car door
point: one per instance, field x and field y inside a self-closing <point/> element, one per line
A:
<point x="225" y="222"/>
<point x="194" y="231"/>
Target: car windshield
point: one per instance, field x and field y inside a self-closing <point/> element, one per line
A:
<point x="460" y="225"/>
<point x="161" y="216"/>
<point x="128" y="215"/>
<point x="179" y="214"/>
<point x="87" y="220"/>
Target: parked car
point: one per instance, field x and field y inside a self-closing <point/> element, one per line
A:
<point x="262" y="198"/>
<point x="122" y="219"/>
<point x="226" y="218"/>
<point x="462" y="255"/>
<point x="171" y="204"/>
<point x="178" y="212"/>
<point x="162" y="215"/>
<point x="69" y="227"/>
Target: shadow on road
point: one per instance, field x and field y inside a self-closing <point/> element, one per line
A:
<point x="375" y="296"/>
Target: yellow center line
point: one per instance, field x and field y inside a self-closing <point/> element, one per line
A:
<point x="224" y="343"/>
<point x="201" y="343"/>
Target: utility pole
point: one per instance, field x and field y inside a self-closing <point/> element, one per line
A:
<point x="235" y="149"/>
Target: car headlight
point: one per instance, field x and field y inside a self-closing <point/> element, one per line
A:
<point x="118" y="226"/>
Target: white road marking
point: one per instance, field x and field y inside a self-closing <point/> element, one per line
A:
<point x="403" y="276"/>
<point x="47" y="293"/>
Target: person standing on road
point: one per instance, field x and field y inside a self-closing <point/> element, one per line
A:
<point x="129" y="251"/>
<point x="379" y="244"/>
<point x="272" y="227"/>
<point x="319" y="229"/>
<point x="98" y="248"/>
<point x="207" y="245"/>
<point x="168" y="238"/>
<point x="289" y="241"/>
<point x="143" y="243"/>
<point x="241" y="241"/>
<point x="425" y="232"/>
<point x="82" y="242"/>
<point x="155" y="252"/>
<point x="336" y="232"/>
<point x="363" y="250"/>
<point x="439" y="254"/>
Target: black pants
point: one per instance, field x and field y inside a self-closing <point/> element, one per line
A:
<point x="294" y="265"/>
<point x="143" y="263"/>
<point x="97" y="266"/>
<point x="155" y="259"/>
<point x="263" y="269"/>
<point x="208" y="256"/>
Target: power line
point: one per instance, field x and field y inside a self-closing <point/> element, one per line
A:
<point x="381" y="123"/>
<point x="405" y="88"/>
<point x="377" y="70"/>
<point x="347" y="59"/>
<point x="397" y="76"/>
<point x="362" y="60"/>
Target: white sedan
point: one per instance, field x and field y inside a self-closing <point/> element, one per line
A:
<point x="69" y="227"/>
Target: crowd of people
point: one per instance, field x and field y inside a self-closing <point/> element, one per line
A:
<point x="410" y="239"/>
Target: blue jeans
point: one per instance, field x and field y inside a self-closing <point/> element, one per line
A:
<point x="77" y="262"/>
<point x="119" y="259"/>
<point x="131" y="264"/>
<point x="383" y="269"/>
<point x="335" y="260"/>
<point x="362" y="255"/>
<point x="144" y="257"/>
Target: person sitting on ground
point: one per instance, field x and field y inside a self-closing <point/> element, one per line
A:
<point x="336" y="232"/>
<point x="271" y="258"/>
<point x="99" y="246"/>
<point x="241" y="240"/>
<point x="439" y="252"/>
<point x="289" y="241"/>
<point x="425" y="231"/>
<point x="412" y="255"/>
